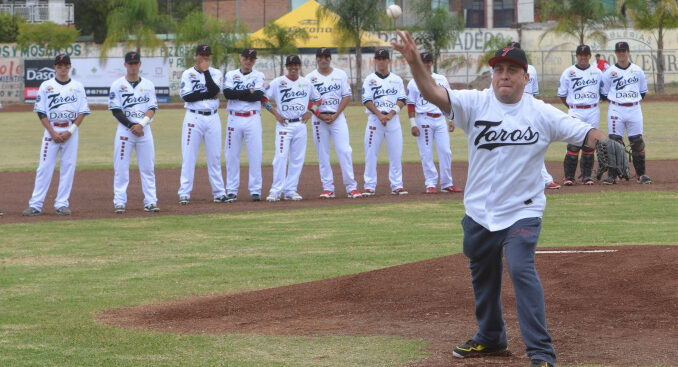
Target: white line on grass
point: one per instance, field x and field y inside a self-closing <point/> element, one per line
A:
<point x="575" y="251"/>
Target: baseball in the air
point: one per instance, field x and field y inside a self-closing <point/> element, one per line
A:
<point x="394" y="11"/>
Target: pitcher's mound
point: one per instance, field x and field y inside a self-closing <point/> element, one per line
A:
<point x="616" y="308"/>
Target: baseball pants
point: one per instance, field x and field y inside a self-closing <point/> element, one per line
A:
<point x="375" y="134"/>
<point x="290" y="143"/>
<point x="591" y="116"/>
<point x="49" y="151"/>
<point x="196" y="129"/>
<point x="125" y="143"/>
<point x="485" y="251"/>
<point x="238" y="130"/>
<point x="625" y="118"/>
<point x="434" y="129"/>
<point x="338" y="132"/>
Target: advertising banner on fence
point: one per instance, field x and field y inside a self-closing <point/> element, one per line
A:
<point x="97" y="78"/>
<point x="36" y="72"/>
<point x="11" y="79"/>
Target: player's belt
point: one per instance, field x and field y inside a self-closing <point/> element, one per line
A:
<point x="434" y="115"/>
<point x="204" y="113"/>
<point x="624" y="104"/>
<point x="61" y="124"/>
<point x="583" y="106"/>
<point x="242" y="114"/>
<point x="327" y="113"/>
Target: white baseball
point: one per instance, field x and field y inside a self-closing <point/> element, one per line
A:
<point x="394" y="11"/>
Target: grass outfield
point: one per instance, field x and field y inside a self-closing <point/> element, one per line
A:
<point x="22" y="132"/>
<point x="56" y="276"/>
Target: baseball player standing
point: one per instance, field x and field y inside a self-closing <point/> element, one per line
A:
<point x="200" y="86"/>
<point x="244" y="88"/>
<point x="532" y="88"/>
<point x="133" y="104"/>
<point x="293" y="95"/>
<point x="330" y="123"/>
<point x="428" y="125"/>
<point x="624" y="85"/>
<point x="602" y="64"/>
<point x="508" y="134"/>
<point x="383" y="95"/>
<point x="61" y="105"/>
<point x="579" y="90"/>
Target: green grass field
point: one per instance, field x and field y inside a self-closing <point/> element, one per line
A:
<point x="22" y="132"/>
<point x="56" y="276"/>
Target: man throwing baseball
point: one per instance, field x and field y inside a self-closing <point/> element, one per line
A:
<point x="330" y="123"/>
<point x="384" y="96"/>
<point x="624" y="85"/>
<point x="428" y="125"/>
<point x="244" y="89"/>
<point x="200" y="86"/>
<point x="61" y="105"/>
<point x="508" y="134"/>
<point x="579" y="90"/>
<point x="132" y="102"/>
<point x="293" y="95"/>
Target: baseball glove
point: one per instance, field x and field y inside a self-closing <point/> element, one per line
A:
<point x="612" y="155"/>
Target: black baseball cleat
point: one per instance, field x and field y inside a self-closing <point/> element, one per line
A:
<point x="473" y="349"/>
<point x="256" y="197"/>
<point x="644" y="179"/>
<point x="231" y="197"/>
<point x="539" y="363"/>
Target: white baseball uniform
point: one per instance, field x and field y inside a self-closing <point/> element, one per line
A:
<point x="61" y="103"/>
<point x="433" y="127"/>
<point x="292" y="99"/>
<point x="244" y="124"/>
<point x="507" y="143"/>
<point x="332" y="89"/>
<point x="134" y="101"/>
<point x="201" y="123"/>
<point x="384" y="92"/>
<point x="623" y="87"/>
<point x="582" y="89"/>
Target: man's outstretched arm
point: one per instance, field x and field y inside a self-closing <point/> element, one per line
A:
<point x="427" y="87"/>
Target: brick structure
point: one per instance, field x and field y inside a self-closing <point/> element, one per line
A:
<point x="255" y="13"/>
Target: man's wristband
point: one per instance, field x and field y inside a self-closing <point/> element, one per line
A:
<point x="145" y="121"/>
<point x="72" y="128"/>
<point x="413" y="122"/>
<point x="396" y="108"/>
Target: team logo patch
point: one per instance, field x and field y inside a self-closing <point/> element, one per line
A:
<point x="236" y="77"/>
<point x="112" y="95"/>
<point x="373" y="81"/>
<point x="314" y="79"/>
<point x="50" y="88"/>
<point x="614" y="73"/>
<point x="37" y="98"/>
<point x="123" y="88"/>
<point x="192" y="75"/>
<point x="182" y="84"/>
<point x="572" y="73"/>
<point x="283" y="83"/>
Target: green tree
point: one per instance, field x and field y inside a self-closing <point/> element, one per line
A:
<point x="224" y="36"/>
<point x="657" y="16"/>
<point x="48" y="34"/>
<point x="354" y="18"/>
<point x="90" y="17"/>
<point x="581" y="20"/>
<point x="283" y="41"/>
<point x="438" y="29"/>
<point x="134" y="22"/>
<point x="490" y="47"/>
<point x="9" y="27"/>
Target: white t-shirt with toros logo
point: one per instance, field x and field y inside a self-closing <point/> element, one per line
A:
<point x="332" y="88"/>
<point x="420" y="104"/>
<point x="236" y="80"/>
<point x="193" y="80"/>
<point x="134" y="102"/>
<point x="580" y="86"/>
<point x="61" y="103"/>
<point x="624" y="85"/>
<point x="291" y="96"/>
<point x="383" y="92"/>
<point x="506" y="149"/>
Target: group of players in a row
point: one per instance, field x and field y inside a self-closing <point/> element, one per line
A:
<point x="61" y="105"/>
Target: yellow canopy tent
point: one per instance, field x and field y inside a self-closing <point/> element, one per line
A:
<point x="321" y="32"/>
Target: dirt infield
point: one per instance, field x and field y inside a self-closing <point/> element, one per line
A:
<point x="614" y="308"/>
<point x="92" y="195"/>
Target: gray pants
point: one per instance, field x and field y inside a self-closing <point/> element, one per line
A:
<point x="485" y="250"/>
